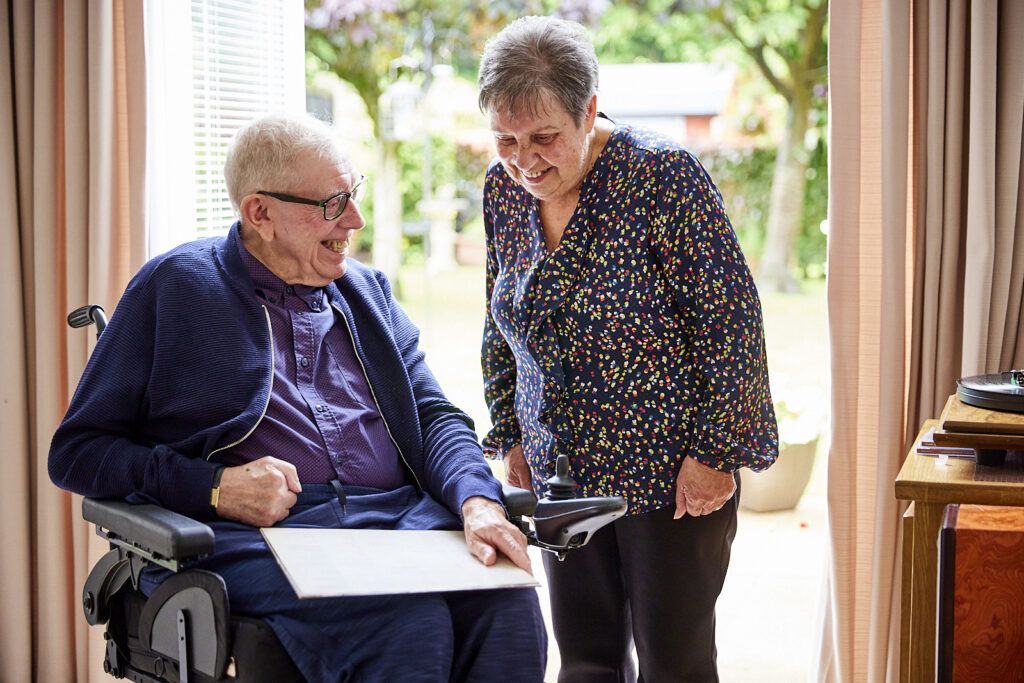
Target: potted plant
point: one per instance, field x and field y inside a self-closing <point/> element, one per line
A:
<point x="781" y="485"/>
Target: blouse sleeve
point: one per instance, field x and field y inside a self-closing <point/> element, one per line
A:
<point x="734" y="425"/>
<point x="497" y="361"/>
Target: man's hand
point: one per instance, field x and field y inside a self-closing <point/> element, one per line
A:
<point x="517" y="471"/>
<point x="701" y="490"/>
<point x="259" y="493"/>
<point x="487" y="532"/>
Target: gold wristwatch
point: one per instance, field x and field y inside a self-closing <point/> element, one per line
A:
<point x="215" y="490"/>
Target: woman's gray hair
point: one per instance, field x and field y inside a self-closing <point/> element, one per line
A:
<point x="535" y="55"/>
<point x="263" y="154"/>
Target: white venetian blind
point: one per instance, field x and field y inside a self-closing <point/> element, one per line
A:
<point x="218" y="64"/>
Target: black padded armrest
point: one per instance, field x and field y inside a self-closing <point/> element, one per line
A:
<point x="151" y="527"/>
<point x="518" y="502"/>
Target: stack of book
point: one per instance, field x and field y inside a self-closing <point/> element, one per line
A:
<point x="989" y="433"/>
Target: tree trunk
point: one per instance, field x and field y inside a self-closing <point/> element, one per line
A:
<point x="789" y="184"/>
<point x="387" y="214"/>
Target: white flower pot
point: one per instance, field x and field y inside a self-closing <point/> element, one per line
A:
<point x="781" y="485"/>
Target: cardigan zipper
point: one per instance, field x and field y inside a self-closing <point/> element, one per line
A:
<point x="270" y="330"/>
<point x="362" y="365"/>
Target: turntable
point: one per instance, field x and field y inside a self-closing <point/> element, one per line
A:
<point x="986" y="414"/>
<point x="1001" y="391"/>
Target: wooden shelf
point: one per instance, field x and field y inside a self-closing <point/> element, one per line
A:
<point x="961" y="480"/>
<point x="931" y="482"/>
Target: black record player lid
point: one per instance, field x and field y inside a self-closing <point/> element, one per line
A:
<point x="1001" y="391"/>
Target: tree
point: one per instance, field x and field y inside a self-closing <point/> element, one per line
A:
<point x="365" y="42"/>
<point x="368" y="42"/>
<point x="784" y="40"/>
<point x="789" y="50"/>
<point x="362" y="41"/>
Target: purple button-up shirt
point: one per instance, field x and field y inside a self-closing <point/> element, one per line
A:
<point x="322" y="416"/>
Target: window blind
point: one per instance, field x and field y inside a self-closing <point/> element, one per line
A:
<point x="237" y="59"/>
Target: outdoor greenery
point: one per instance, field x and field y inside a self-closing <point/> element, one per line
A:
<point x="454" y="168"/>
<point x="744" y="177"/>
<point x="783" y="42"/>
<point x="774" y="181"/>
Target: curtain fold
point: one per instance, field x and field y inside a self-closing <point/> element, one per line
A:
<point x="1008" y="208"/>
<point x="16" y="573"/>
<point x="926" y="259"/>
<point x="72" y="124"/>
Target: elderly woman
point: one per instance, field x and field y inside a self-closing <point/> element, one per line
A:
<point x="623" y="329"/>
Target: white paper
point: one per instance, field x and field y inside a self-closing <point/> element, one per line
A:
<point x="323" y="563"/>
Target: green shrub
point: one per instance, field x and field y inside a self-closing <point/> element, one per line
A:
<point x="745" y="180"/>
<point x="454" y="168"/>
<point x="744" y="177"/>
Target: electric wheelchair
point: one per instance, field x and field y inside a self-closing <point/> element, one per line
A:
<point x="184" y="631"/>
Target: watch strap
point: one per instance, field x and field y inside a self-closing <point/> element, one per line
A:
<point x="215" y="488"/>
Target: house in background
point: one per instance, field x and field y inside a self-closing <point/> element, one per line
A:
<point x="680" y="100"/>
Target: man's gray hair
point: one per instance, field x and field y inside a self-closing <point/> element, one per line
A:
<point x="536" y="55"/>
<point x="264" y="153"/>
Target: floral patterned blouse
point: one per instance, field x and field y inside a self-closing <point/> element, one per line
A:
<point x="636" y="342"/>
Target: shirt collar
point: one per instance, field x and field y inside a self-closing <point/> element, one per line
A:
<point x="275" y="290"/>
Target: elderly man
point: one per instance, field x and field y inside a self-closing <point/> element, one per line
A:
<point x="264" y="378"/>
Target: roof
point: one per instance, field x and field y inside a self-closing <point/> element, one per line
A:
<point x="669" y="89"/>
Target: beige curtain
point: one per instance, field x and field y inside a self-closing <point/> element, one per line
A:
<point x="72" y="147"/>
<point x="926" y="270"/>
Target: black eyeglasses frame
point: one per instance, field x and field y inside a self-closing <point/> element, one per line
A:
<point x="322" y="204"/>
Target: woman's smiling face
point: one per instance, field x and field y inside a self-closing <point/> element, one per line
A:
<point x="544" y="150"/>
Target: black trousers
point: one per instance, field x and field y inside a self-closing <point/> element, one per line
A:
<point x="646" y="580"/>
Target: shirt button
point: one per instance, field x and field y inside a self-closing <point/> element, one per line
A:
<point x="321" y="408"/>
<point x="289" y="289"/>
<point x="304" y="362"/>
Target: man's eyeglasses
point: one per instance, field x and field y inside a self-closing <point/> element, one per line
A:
<point x="333" y="206"/>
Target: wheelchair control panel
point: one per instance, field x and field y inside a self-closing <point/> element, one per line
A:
<point x="562" y="522"/>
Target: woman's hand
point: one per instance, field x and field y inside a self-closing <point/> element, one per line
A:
<point x="701" y="490"/>
<point x="517" y="471"/>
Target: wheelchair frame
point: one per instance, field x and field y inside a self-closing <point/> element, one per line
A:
<point x="195" y="601"/>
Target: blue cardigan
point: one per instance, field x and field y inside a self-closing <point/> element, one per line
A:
<point x="184" y="370"/>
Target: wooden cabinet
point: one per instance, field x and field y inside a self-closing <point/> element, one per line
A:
<point x="932" y="483"/>
<point x="981" y="595"/>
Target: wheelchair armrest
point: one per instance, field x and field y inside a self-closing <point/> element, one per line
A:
<point x="565" y="524"/>
<point x="151" y="528"/>
<point x="519" y="502"/>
